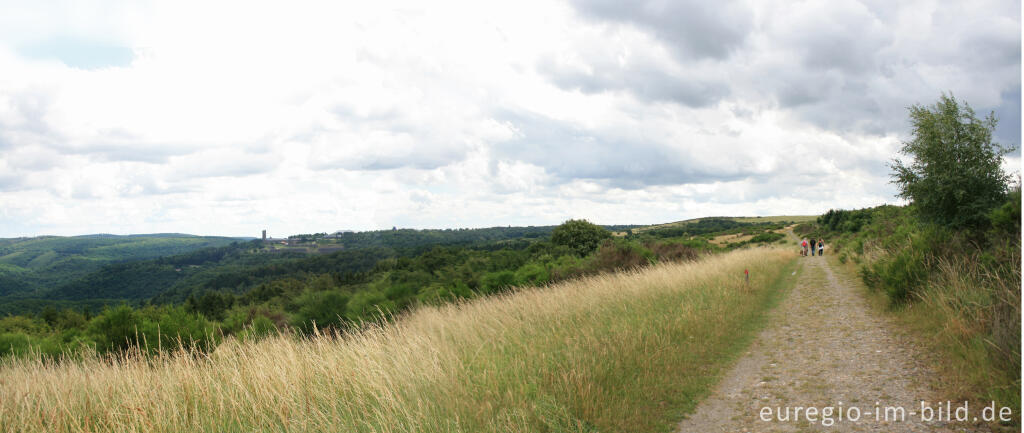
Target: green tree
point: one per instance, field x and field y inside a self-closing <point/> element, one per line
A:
<point x="581" y="236"/>
<point x="956" y="175"/>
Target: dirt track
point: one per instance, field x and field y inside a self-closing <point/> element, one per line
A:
<point x="824" y="347"/>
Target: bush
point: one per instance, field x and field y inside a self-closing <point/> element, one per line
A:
<point x="902" y="275"/>
<point x="115" y="329"/>
<point x="673" y="251"/>
<point x="325" y="309"/>
<point x="581" y="236"/>
<point x="494" y="282"/>
<point x="531" y="274"/>
<point x="169" y="328"/>
<point x="14" y="343"/>
<point x="1006" y="218"/>
<point x="616" y="255"/>
<point x="767" y="238"/>
<point x="437" y="294"/>
<point x="565" y="267"/>
<point x="368" y="305"/>
<point x="869" y="275"/>
<point x="259" y="328"/>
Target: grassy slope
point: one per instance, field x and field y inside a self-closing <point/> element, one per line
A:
<point x="617" y="352"/>
<point x="764" y="219"/>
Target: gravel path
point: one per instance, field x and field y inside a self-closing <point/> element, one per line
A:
<point x="824" y="347"/>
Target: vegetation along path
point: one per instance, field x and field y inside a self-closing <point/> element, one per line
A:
<point x="824" y="348"/>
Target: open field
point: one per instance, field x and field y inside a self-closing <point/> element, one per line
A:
<point x="731" y="238"/>
<point x="777" y="218"/>
<point x="630" y="351"/>
<point x="764" y="219"/>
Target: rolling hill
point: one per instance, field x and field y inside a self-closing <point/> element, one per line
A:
<point x="40" y="263"/>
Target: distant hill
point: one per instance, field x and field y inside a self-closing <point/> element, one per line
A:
<point x="754" y="219"/>
<point x="45" y="262"/>
<point x="96" y="270"/>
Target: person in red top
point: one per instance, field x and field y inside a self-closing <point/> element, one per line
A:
<point x="803" y="248"/>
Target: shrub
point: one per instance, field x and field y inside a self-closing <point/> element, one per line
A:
<point x="168" y="328"/>
<point x="767" y="238"/>
<point x="436" y="294"/>
<point x="903" y="274"/>
<point x="1006" y="218"/>
<point x="14" y="343"/>
<point x="115" y="329"/>
<point x="531" y="274"/>
<point x="260" y="328"/>
<point x="672" y="251"/>
<point x="869" y="275"/>
<point x="581" y="236"/>
<point x="324" y="308"/>
<point x="493" y="282"/>
<point x="368" y="305"/>
<point x="619" y="254"/>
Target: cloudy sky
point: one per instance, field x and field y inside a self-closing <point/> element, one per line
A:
<point x="228" y="118"/>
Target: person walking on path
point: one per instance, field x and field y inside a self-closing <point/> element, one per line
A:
<point x="812" y="247"/>
<point x="821" y="247"/>
<point x="803" y="247"/>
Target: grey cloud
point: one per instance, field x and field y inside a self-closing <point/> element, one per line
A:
<point x="859" y="69"/>
<point x="136" y="152"/>
<point x="851" y="67"/>
<point x="10" y="182"/>
<point x="27" y="126"/>
<point x="222" y="163"/>
<point x="152" y="188"/>
<point x="693" y="29"/>
<point x="408" y="143"/>
<point x="646" y="82"/>
<point x="423" y="158"/>
<point x="1008" y="131"/>
<point x="849" y="42"/>
<point x="569" y="152"/>
<point x="121" y="145"/>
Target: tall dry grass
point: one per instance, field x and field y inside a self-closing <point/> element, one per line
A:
<point x="619" y="352"/>
<point x="972" y="314"/>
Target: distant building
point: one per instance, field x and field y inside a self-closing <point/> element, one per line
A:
<point x="264" y="235"/>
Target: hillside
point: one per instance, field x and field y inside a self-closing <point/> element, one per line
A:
<point x="40" y="263"/>
<point x="584" y="355"/>
<point x="777" y="219"/>
<point x="92" y="271"/>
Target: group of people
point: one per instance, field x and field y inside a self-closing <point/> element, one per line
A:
<point x="811" y="245"/>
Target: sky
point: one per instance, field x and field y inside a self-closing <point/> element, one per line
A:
<point x="227" y="118"/>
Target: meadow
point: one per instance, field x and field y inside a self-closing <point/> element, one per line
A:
<point x="626" y="351"/>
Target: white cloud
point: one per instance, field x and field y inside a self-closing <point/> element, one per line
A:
<point x="237" y="116"/>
